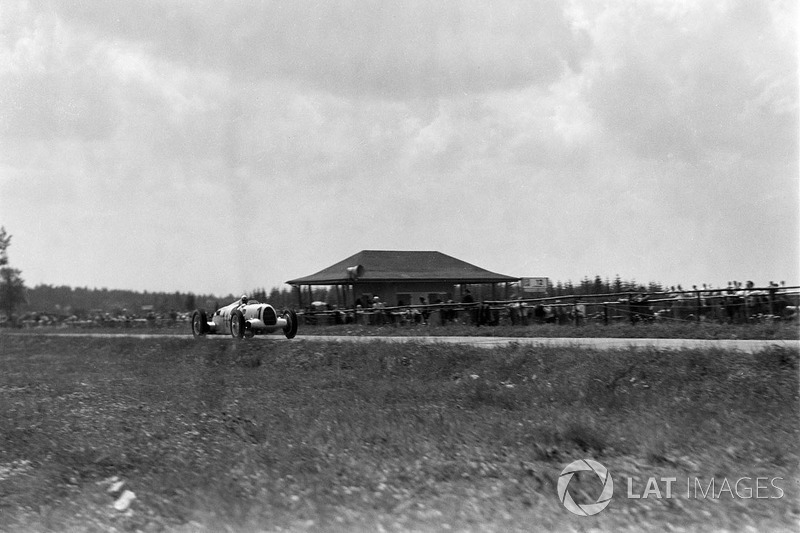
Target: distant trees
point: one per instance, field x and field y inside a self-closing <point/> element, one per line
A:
<point x="617" y="284"/>
<point x="287" y="296"/>
<point x="12" y="286"/>
<point x="85" y="301"/>
<point x="598" y="285"/>
<point x="259" y="294"/>
<point x="190" y="303"/>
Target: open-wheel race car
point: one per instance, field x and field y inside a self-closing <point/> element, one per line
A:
<point x="245" y="318"/>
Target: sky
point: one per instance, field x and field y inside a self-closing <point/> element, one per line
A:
<point x="219" y="147"/>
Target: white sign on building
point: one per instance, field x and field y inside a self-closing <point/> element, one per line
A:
<point x="534" y="284"/>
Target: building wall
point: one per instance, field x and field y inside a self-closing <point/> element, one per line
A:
<point x="408" y="292"/>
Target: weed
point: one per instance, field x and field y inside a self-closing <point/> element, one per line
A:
<point x="777" y="357"/>
<point x="585" y="436"/>
<point x="480" y="393"/>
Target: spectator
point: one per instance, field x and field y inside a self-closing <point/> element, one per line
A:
<point x="424" y="311"/>
<point x="450" y="311"/>
<point x="578" y="312"/>
<point x="468" y="300"/>
<point x="515" y="311"/>
<point x="379" y="307"/>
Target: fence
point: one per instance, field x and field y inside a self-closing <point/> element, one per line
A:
<point x="721" y="305"/>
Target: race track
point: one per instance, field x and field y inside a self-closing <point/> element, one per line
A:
<point x="746" y="346"/>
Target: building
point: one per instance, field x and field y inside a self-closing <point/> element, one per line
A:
<point x="400" y="278"/>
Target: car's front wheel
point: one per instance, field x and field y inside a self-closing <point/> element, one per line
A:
<point x="237" y="324"/>
<point x="290" y="329"/>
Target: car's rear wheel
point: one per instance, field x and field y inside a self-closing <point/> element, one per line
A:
<point x="290" y="329"/>
<point x="199" y="323"/>
<point x="237" y="324"/>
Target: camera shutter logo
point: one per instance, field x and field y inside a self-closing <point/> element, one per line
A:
<point x="585" y="465"/>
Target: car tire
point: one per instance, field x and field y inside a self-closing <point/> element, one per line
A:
<point x="290" y="330"/>
<point x="199" y="323"/>
<point x="237" y="324"/>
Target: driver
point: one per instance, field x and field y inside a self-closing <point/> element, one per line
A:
<point x="243" y="300"/>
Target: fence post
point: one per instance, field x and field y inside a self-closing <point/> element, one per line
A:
<point x="605" y="313"/>
<point x="746" y="308"/>
<point x="699" y="305"/>
<point x="575" y="307"/>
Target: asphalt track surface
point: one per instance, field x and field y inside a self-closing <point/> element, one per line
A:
<point x="746" y="346"/>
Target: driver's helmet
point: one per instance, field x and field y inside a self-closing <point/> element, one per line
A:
<point x="244" y="299"/>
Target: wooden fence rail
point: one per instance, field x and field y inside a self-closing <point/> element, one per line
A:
<point x="736" y="306"/>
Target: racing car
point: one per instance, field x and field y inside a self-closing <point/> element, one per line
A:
<point x="245" y="318"/>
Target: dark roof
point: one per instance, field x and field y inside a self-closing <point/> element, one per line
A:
<point x="393" y="265"/>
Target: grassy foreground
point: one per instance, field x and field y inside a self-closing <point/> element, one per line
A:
<point x="684" y="329"/>
<point x="313" y="435"/>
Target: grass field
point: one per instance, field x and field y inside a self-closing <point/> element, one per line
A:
<point x="658" y="330"/>
<point x="313" y="435"/>
<point x="767" y="330"/>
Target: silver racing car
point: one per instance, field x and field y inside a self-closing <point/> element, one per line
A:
<point x="244" y="318"/>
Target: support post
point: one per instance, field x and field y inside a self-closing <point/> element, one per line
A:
<point x="355" y="300"/>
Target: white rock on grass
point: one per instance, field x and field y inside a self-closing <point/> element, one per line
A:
<point x="124" y="501"/>
<point x="116" y="487"/>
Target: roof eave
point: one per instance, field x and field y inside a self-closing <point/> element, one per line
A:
<point x="348" y="281"/>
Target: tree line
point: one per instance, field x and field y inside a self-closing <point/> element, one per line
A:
<point x="85" y="302"/>
<point x="600" y="285"/>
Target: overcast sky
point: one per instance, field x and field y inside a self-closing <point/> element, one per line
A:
<point x="223" y="146"/>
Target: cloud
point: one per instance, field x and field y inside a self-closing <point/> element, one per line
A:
<point x="50" y="84"/>
<point x="534" y="138"/>
<point x="387" y="50"/>
<point x="56" y="82"/>
<point x="689" y="82"/>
